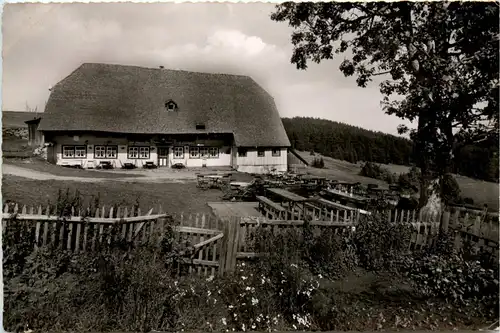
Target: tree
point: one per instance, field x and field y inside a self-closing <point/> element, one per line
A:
<point x="438" y="61"/>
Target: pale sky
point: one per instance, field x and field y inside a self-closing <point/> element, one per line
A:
<point x="43" y="43"/>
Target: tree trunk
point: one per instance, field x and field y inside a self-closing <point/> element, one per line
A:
<point x="424" y="193"/>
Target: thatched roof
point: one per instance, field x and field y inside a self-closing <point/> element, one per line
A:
<point x="129" y="99"/>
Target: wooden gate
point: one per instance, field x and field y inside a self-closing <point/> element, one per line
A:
<point x="205" y="253"/>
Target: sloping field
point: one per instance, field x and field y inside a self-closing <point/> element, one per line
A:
<point x="16" y="119"/>
<point x="481" y="192"/>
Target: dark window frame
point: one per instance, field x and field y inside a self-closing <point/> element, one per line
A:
<point x="261" y="152"/>
<point x="210" y="152"/>
<point x="207" y="152"/>
<point x="73" y="147"/>
<point x="148" y="150"/>
<point x="191" y="155"/>
<point x="106" y="155"/>
<point x="278" y="154"/>
<point x="169" y="104"/>
<point x="242" y="152"/>
<point x="183" y="153"/>
<point x="138" y="153"/>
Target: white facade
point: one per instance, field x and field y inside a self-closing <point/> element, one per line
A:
<point x="88" y="151"/>
<point x="261" y="160"/>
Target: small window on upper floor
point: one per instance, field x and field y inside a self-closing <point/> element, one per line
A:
<point x="170" y="106"/>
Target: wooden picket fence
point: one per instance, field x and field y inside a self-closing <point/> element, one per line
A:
<point x="215" y="245"/>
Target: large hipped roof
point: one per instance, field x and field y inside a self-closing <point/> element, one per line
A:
<point x="130" y="99"/>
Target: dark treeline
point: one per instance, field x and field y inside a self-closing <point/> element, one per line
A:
<point x="353" y="144"/>
<point x="346" y="142"/>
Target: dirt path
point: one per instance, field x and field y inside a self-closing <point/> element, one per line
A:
<point x="14" y="170"/>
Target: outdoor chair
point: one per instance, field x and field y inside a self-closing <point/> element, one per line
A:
<point x="225" y="182"/>
<point x="149" y="165"/>
<point x="128" y="166"/>
<point x="203" y="182"/>
<point x="105" y="165"/>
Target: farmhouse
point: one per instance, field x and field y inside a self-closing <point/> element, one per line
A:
<point x="127" y="114"/>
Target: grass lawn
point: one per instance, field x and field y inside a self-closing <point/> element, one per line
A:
<point x="38" y="164"/>
<point x="480" y="191"/>
<point x="174" y="197"/>
<point x="15" y="147"/>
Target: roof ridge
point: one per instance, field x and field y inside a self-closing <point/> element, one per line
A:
<point x="86" y="64"/>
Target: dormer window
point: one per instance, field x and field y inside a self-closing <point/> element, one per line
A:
<point x="200" y="126"/>
<point x="170" y="106"/>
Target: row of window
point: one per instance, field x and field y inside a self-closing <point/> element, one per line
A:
<point x="104" y="152"/>
<point x="276" y="152"/>
<point x="111" y="152"/>
<point x="197" y="152"/>
<point x="134" y="152"/>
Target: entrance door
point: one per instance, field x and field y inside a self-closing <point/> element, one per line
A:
<point x="162" y="156"/>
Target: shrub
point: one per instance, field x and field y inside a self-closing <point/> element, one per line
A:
<point x="450" y="190"/>
<point x="17" y="245"/>
<point x="376" y="171"/>
<point x="322" y="252"/>
<point x="455" y="279"/>
<point x="410" y="181"/>
<point x="468" y="201"/>
<point x="318" y="163"/>
<point x="332" y="255"/>
<point x="380" y="244"/>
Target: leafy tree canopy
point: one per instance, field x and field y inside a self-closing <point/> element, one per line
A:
<point x="439" y="62"/>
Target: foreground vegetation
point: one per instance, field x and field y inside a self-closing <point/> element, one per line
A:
<point x="359" y="281"/>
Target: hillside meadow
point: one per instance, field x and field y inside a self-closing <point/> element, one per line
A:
<point x="480" y="191"/>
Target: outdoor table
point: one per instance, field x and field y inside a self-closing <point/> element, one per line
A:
<point x="215" y="179"/>
<point x="239" y="184"/>
<point x="294" y="202"/>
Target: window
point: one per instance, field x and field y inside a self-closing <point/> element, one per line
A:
<point x="204" y="152"/>
<point x="138" y="152"/>
<point x="213" y="152"/>
<point x="111" y="151"/>
<point x="144" y="152"/>
<point x="261" y="152"/>
<point x="99" y="152"/>
<point x="74" y="151"/>
<point x="178" y="152"/>
<point x="133" y="152"/>
<point x="170" y="106"/>
<point x="276" y="152"/>
<point x="194" y="152"/>
<point x="105" y="152"/>
<point x="200" y="126"/>
<point x="68" y="151"/>
<point x="80" y="151"/>
<point x="242" y="152"/>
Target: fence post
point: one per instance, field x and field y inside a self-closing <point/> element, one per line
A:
<point x="223" y="248"/>
<point x="230" y="247"/>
